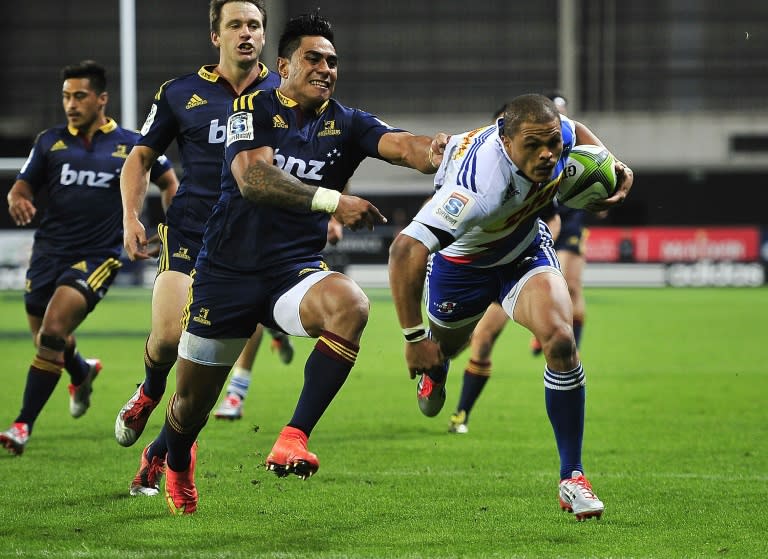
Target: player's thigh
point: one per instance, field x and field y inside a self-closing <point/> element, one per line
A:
<point x="542" y="304"/>
<point x="197" y="389"/>
<point x="334" y="303"/>
<point x="452" y="340"/>
<point x="169" y="297"/>
<point x="493" y="321"/>
<point x="65" y="312"/>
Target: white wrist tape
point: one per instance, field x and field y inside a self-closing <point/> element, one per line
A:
<point x="325" y="200"/>
<point x="415" y="334"/>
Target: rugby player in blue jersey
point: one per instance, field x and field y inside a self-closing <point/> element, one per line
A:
<point x="191" y="109"/>
<point x="479" y="239"/>
<point x="78" y="242"/>
<point x="289" y="153"/>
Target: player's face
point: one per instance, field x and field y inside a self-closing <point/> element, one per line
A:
<point x="310" y="74"/>
<point x="241" y="33"/>
<point x="536" y="148"/>
<point x="82" y="105"/>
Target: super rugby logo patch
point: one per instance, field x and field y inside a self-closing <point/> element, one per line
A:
<point x="239" y="127"/>
<point x="454" y="208"/>
<point x="446" y="307"/>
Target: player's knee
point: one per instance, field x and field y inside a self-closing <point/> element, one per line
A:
<point x="560" y="344"/>
<point x="355" y="311"/>
<point x="163" y="345"/>
<point x="51" y="342"/>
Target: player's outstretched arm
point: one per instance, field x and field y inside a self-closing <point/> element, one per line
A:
<point x="260" y="182"/>
<point x="134" y="183"/>
<point x="418" y="152"/>
<point x="21" y="205"/>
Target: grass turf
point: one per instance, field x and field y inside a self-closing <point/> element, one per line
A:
<point x="676" y="445"/>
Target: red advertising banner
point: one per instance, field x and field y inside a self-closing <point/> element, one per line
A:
<point x="673" y="244"/>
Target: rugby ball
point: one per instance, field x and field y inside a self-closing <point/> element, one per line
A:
<point x="589" y="175"/>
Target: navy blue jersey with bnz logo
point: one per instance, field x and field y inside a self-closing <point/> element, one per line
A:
<point x="320" y="149"/>
<point x="84" y="214"/>
<point x="192" y="110"/>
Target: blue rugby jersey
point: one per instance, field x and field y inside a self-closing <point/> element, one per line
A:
<point x="322" y="149"/>
<point x="192" y="109"/>
<point x="84" y="213"/>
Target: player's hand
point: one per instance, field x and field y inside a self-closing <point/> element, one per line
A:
<point x="437" y="148"/>
<point x="356" y="213"/>
<point x="22" y="210"/>
<point x="135" y="240"/>
<point x="153" y="246"/>
<point x="335" y="231"/>
<point x="423" y="356"/>
<point x="624" y="177"/>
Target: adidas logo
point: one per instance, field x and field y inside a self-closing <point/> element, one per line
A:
<point x="59" y="145"/>
<point x="195" y="101"/>
<point x="82" y="266"/>
<point x="278" y="122"/>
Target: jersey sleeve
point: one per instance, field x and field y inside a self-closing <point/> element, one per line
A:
<point x="569" y="134"/>
<point x="34" y="170"/>
<point x="160" y="167"/>
<point x="249" y="126"/>
<point x="369" y="129"/>
<point x="161" y="126"/>
<point x="452" y="209"/>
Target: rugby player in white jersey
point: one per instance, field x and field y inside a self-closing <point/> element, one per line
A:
<point x="478" y="240"/>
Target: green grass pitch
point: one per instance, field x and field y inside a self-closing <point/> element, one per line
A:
<point x="676" y="445"/>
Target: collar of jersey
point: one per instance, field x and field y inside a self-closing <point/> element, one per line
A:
<point x="207" y="73"/>
<point x="104" y="128"/>
<point x="290" y="103"/>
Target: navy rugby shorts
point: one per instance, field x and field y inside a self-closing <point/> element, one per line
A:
<point x="178" y="251"/>
<point x="91" y="276"/>
<point x="231" y="304"/>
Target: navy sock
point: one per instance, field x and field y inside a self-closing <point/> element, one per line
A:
<point x="476" y="375"/>
<point x="42" y="378"/>
<point x="325" y="372"/>
<point x="75" y="365"/>
<point x="564" y="394"/>
<point x="158" y="447"/>
<point x="179" y="440"/>
<point x="155" y="376"/>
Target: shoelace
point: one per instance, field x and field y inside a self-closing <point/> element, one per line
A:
<point x="156" y="469"/>
<point x="582" y="482"/>
<point x="138" y="411"/>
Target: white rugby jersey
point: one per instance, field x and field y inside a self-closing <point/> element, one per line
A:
<point x="483" y="201"/>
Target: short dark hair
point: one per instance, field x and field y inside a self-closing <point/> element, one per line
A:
<point x="214" y="12"/>
<point x="498" y="113"/>
<point x="96" y="74"/>
<point x="303" y="26"/>
<point x="531" y="107"/>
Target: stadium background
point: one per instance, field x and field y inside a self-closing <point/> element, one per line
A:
<point x="677" y="88"/>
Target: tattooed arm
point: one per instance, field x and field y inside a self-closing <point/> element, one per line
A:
<point x="262" y="183"/>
